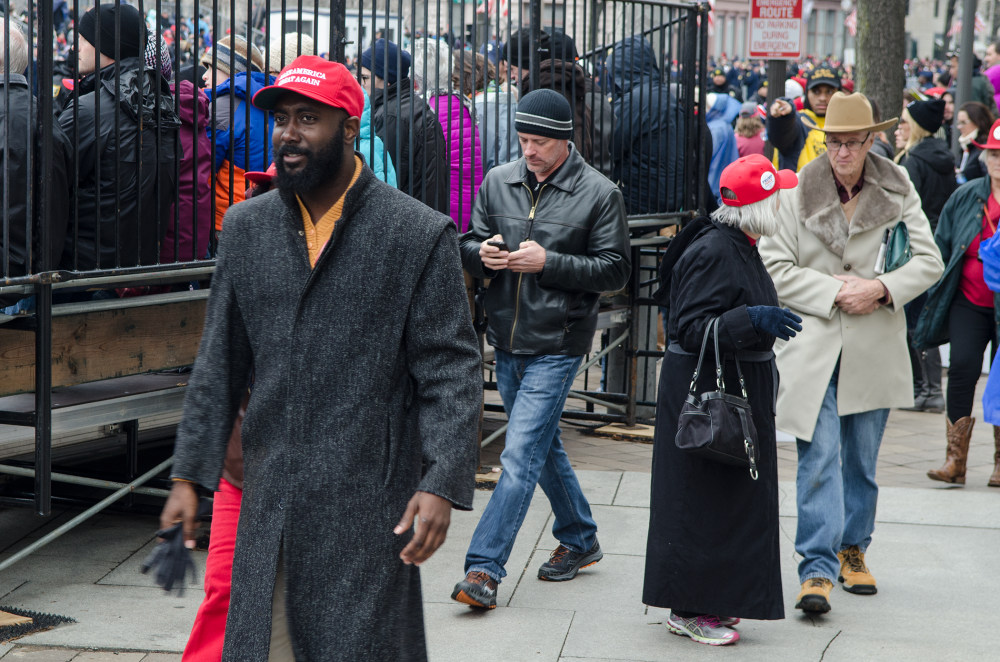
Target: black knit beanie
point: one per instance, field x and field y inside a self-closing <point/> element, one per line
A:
<point x="544" y="113"/>
<point x="131" y="38"/>
<point x="928" y="114"/>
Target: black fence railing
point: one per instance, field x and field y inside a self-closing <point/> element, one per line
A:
<point x="128" y="130"/>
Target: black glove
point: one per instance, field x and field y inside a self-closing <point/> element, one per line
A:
<point x="171" y="559"/>
<point x="779" y="322"/>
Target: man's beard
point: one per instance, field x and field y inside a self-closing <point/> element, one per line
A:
<point x="320" y="168"/>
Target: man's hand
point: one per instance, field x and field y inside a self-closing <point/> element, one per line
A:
<point x="529" y="258"/>
<point x="780" y="108"/>
<point x="858" y="296"/>
<point x="181" y="506"/>
<point x="435" y="516"/>
<point x="492" y="257"/>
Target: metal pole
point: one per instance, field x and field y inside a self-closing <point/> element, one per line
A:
<point x="338" y="30"/>
<point x="87" y="514"/>
<point x="43" y="397"/>
<point x="964" y="87"/>
<point x="535" y="34"/>
<point x="81" y="480"/>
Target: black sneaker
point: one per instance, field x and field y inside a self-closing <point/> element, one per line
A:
<point x="565" y="563"/>
<point x="477" y="590"/>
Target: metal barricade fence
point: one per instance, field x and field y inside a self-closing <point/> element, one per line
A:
<point x="127" y="132"/>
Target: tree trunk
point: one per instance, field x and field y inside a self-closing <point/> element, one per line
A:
<point x="881" y="45"/>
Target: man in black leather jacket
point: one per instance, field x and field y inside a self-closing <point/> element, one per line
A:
<point x="550" y="232"/>
<point x="123" y="122"/>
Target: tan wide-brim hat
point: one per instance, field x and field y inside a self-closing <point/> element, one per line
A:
<point x="847" y="113"/>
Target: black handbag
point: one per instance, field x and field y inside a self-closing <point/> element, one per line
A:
<point x="716" y="425"/>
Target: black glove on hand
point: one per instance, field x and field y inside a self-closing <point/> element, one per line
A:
<point x="171" y="559"/>
<point x="779" y="322"/>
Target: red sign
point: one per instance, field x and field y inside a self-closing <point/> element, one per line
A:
<point x="776" y="29"/>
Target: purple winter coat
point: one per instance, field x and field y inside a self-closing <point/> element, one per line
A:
<point x="993" y="75"/>
<point x="194" y="183"/>
<point x="464" y="154"/>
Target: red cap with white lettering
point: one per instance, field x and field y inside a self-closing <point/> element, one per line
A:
<point x="328" y="82"/>
<point x="751" y="179"/>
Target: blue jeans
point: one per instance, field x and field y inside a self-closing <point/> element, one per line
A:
<point x="835" y="486"/>
<point x="534" y="390"/>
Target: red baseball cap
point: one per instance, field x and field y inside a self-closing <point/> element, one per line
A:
<point x="258" y="177"/>
<point x="328" y="82"/>
<point x="751" y="179"/>
<point x="992" y="138"/>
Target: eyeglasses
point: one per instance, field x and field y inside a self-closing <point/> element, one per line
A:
<point x="851" y="145"/>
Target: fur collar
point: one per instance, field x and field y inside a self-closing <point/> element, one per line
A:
<point x="819" y="204"/>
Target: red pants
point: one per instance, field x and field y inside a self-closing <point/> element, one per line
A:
<point x="209" y="631"/>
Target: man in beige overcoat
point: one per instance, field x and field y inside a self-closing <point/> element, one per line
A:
<point x="850" y="363"/>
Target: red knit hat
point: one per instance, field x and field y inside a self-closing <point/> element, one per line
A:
<point x="328" y="82"/>
<point x="751" y="179"/>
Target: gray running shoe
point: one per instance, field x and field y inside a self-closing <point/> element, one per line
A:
<point x="703" y="629"/>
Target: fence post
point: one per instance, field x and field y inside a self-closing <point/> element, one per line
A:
<point x="338" y="30"/>
<point x="535" y="34"/>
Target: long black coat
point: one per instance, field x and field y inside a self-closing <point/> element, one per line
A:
<point x="713" y="531"/>
<point x="367" y="387"/>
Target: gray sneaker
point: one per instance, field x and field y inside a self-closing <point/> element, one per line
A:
<point x="703" y="629"/>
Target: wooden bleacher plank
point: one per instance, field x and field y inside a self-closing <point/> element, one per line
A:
<point x="93" y="346"/>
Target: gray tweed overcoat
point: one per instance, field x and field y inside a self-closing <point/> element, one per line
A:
<point x="367" y="387"/>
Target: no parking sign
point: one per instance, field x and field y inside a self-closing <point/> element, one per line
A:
<point x="776" y="29"/>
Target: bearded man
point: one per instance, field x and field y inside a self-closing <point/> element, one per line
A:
<point x="346" y="298"/>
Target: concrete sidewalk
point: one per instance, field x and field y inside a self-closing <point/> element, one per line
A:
<point x="933" y="553"/>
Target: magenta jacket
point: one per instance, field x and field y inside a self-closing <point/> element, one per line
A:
<point x="194" y="182"/>
<point x="464" y="154"/>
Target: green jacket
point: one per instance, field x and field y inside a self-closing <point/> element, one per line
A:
<point x="982" y="91"/>
<point x="961" y="219"/>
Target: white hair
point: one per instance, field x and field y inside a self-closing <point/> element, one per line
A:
<point x="18" y="51"/>
<point x="755" y="218"/>
<point x="432" y="66"/>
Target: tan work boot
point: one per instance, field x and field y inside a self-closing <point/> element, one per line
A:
<point x="995" y="478"/>
<point x="959" y="434"/>
<point x="815" y="595"/>
<point x="854" y="573"/>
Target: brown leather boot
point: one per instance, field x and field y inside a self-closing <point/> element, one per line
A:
<point x="959" y="434"/>
<point x="995" y="478"/>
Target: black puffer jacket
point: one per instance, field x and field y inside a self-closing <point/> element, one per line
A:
<point x="21" y="137"/>
<point x="932" y="170"/>
<point x="127" y="137"/>
<point x="648" y="146"/>
<point x="578" y="217"/>
<point x="420" y="159"/>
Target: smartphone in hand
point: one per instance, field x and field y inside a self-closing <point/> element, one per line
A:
<point x="502" y="245"/>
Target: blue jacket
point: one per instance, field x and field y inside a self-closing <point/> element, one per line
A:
<point x="648" y="141"/>
<point x="374" y="152"/>
<point x="724" y="149"/>
<point x="232" y="121"/>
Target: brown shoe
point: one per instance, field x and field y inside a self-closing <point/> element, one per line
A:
<point x="854" y="573"/>
<point x="995" y="478"/>
<point x="815" y="595"/>
<point x="959" y="434"/>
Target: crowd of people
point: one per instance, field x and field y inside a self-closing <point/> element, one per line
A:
<point x="322" y="189"/>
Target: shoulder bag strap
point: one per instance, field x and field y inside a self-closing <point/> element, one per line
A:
<point x="701" y="357"/>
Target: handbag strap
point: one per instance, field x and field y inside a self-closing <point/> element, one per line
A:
<point x="701" y="357"/>
<point x="748" y="444"/>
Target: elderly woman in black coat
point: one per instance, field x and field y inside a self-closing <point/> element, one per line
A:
<point x="712" y="552"/>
